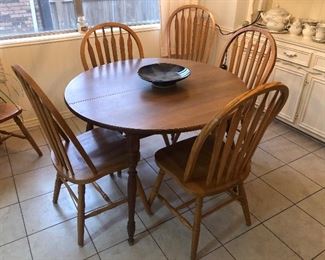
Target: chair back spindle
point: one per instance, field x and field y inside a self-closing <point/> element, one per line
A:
<point x="250" y="54"/>
<point x="232" y="150"/>
<point x="109" y="42"/>
<point x="57" y="131"/>
<point x="190" y="33"/>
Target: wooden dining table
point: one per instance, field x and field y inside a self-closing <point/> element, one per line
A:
<point x="115" y="97"/>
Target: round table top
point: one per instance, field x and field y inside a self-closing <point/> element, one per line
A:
<point x="115" y="97"/>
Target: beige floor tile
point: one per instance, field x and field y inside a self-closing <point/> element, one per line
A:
<point x="109" y="228"/>
<point x="8" y="193"/>
<point x="150" y="145"/>
<point x="250" y="177"/>
<point x="320" y="153"/>
<point x="40" y="212"/>
<point x="299" y="231"/>
<point x="311" y="166"/>
<point x="291" y="183"/>
<point x="259" y="243"/>
<point x="18" y="250"/>
<point x="175" y="239"/>
<point x="3" y="149"/>
<point x="60" y="242"/>
<point x="303" y="140"/>
<point x="5" y="167"/>
<point x="263" y="162"/>
<point x="93" y="199"/>
<point x="315" y="206"/>
<point x="279" y="127"/>
<point x="185" y="196"/>
<point x="268" y="135"/>
<point x="151" y="161"/>
<point x="34" y="183"/>
<point x="283" y="149"/>
<point x="15" y="145"/>
<point x="146" y="174"/>
<point x="320" y="257"/>
<point x="11" y="224"/>
<point x="29" y="160"/>
<point x="263" y="201"/>
<point x="144" y="248"/>
<point x="220" y="253"/>
<point x="227" y="222"/>
<point x="160" y="211"/>
<point x="94" y="257"/>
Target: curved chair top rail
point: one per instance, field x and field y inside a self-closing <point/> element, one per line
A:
<point x="109" y="42"/>
<point x="190" y="33"/>
<point x="250" y="54"/>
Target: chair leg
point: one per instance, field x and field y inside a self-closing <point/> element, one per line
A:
<point x="244" y="203"/>
<point x="175" y="138"/>
<point x="27" y="135"/>
<point x="196" y="227"/>
<point x="57" y="188"/>
<point x="81" y="213"/>
<point x="89" y="126"/>
<point x="143" y="196"/>
<point x="166" y="140"/>
<point x="155" y="189"/>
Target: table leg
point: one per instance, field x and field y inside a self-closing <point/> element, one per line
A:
<point x="134" y="146"/>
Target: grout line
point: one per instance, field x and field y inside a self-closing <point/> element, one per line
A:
<point x="318" y="254"/>
<point x="281" y="240"/>
<point x="21" y="214"/>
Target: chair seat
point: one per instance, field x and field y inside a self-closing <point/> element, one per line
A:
<point x="8" y="111"/>
<point x="106" y="149"/>
<point x="173" y="159"/>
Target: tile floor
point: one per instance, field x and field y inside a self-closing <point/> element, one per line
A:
<point x="286" y="193"/>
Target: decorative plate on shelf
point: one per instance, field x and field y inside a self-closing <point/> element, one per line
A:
<point x="163" y="75"/>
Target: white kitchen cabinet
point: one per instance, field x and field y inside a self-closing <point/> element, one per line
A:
<point x="301" y="66"/>
<point x="312" y="113"/>
<point x="295" y="80"/>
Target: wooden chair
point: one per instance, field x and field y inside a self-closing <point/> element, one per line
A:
<point x="116" y="43"/>
<point x="10" y="111"/>
<point x="190" y="32"/>
<point x="218" y="160"/>
<point x="81" y="159"/>
<point x="250" y="54"/>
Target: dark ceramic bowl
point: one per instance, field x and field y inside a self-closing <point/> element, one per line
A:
<point x="163" y="75"/>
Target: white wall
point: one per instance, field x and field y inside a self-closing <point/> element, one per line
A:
<point x="54" y="64"/>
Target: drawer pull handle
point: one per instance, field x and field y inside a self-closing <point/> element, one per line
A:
<point x="290" y="54"/>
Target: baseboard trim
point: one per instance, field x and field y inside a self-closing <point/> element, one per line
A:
<point x="30" y="122"/>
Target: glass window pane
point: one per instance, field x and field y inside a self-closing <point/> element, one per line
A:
<point x="33" y="16"/>
<point x="131" y="12"/>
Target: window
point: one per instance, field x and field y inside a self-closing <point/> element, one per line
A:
<point x="19" y="18"/>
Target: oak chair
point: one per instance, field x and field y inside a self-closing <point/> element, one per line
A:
<point x="250" y="54"/>
<point x="218" y="159"/>
<point x="116" y="42"/>
<point x="81" y="159"/>
<point x="10" y="111"/>
<point x="190" y="32"/>
<point x="106" y="43"/>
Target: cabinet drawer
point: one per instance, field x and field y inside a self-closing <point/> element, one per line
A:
<point x="294" y="55"/>
<point x="319" y="62"/>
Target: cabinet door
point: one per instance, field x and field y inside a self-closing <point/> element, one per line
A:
<point x="312" y="113"/>
<point x="294" y="79"/>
